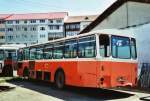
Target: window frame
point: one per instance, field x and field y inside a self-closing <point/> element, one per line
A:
<point x="42" y="28"/>
<point x="42" y="20"/>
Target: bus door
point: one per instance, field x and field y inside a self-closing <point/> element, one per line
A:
<point x="105" y="65"/>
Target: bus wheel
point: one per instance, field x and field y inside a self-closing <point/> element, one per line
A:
<point x="60" y="79"/>
<point x="26" y="73"/>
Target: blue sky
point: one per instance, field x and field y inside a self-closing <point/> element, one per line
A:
<point x="74" y="7"/>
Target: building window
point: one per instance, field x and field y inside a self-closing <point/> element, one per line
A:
<point x="57" y="27"/>
<point x="2" y="37"/>
<point x="17" y="36"/>
<point x="33" y="21"/>
<point x="59" y="21"/>
<point x="42" y="36"/>
<point x="42" y="28"/>
<point x="2" y="29"/>
<point x="42" y="21"/>
<point x="25" y="21"/>
<point x="67" y="26"/>
<point x="77" y="26"/>
<point x="17" y="21"/>
<point x="10" y="37"/>
<point x="25" y="29"/>
<point x="9" y="29"/>
<point x="10" y="22"/>
<point x="54" y="27"/>
<point x="24" y="36"/>
<point x="18" y="28"/>
<point x="51" y="27"/>
<point x="32" y="29"/>
<point x="2" y="22"/>
<point x="51" y="21"/>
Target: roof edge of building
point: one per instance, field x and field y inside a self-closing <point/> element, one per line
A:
<point x="108" y="12"/>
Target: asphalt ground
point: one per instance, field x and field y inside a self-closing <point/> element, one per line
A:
<point x="23" y="90"/>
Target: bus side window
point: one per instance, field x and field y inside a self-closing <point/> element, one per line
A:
<point x="70" y="48"/>
<point x="58" y="50"/>
<point x="26" y="54"/>
<point x="104" y="42"/>
<point x="48" y="51"/>
<point x="39" y="52"/>
<point x="87" y="47"/>
<point x="20" y="54"/>
<point x="32" y="53"/>
<point x="1" y="54"/>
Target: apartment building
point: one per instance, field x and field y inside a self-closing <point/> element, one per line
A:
<point x="2" y="27"/>
<point x="34" y="28"/>
<point x="75" y="24"/>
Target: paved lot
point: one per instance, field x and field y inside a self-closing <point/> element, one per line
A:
<point x="29" y="91"/>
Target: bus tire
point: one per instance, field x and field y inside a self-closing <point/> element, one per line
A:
<point x="26" y="73"/>
<point x="60" y="79"/>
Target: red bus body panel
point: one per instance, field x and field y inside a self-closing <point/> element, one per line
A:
<point x="97" y="74"/>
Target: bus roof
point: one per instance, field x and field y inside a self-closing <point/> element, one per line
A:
<point x="11" y="46"/>
<point x="117" y="32"/>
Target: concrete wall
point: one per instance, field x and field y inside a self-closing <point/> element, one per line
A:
<point x="131" y="13"/>
<point x="143" y="42"/>
<point x="117" y="19"/>
<point x="138" y="13"/>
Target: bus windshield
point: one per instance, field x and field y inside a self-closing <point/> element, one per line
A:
<point x="1" y="54"/>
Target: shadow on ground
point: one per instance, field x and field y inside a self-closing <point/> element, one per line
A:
<point x="70" y="93"/>
<point x="6" y="88"/>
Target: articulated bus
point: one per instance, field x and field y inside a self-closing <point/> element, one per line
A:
<point x="100" y="59"/>
<point x="8" y="59"/>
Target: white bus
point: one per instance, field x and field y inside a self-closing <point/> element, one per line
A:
<point x="8" y="59"/>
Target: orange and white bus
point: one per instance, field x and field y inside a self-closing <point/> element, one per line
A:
<point x="100" y="59"/>
<point x="8" y="59"/>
